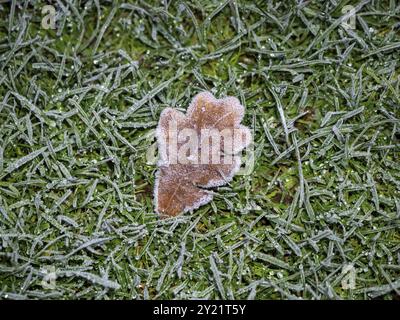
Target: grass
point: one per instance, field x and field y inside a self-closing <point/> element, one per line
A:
<point x="77" y="108"/>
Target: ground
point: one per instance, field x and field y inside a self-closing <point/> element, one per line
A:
<point x="318" y="217"/>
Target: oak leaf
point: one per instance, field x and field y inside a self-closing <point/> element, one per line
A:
<point x="199" y="150"/>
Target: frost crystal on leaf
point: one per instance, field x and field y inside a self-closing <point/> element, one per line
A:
<point x="198" y="150"/>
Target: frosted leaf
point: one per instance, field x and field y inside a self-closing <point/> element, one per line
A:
<point x="198" y="150"/>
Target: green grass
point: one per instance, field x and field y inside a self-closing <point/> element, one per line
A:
<point x="77" y="108"/>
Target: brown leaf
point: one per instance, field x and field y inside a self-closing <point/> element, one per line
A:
<point x="198" y="150"/>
